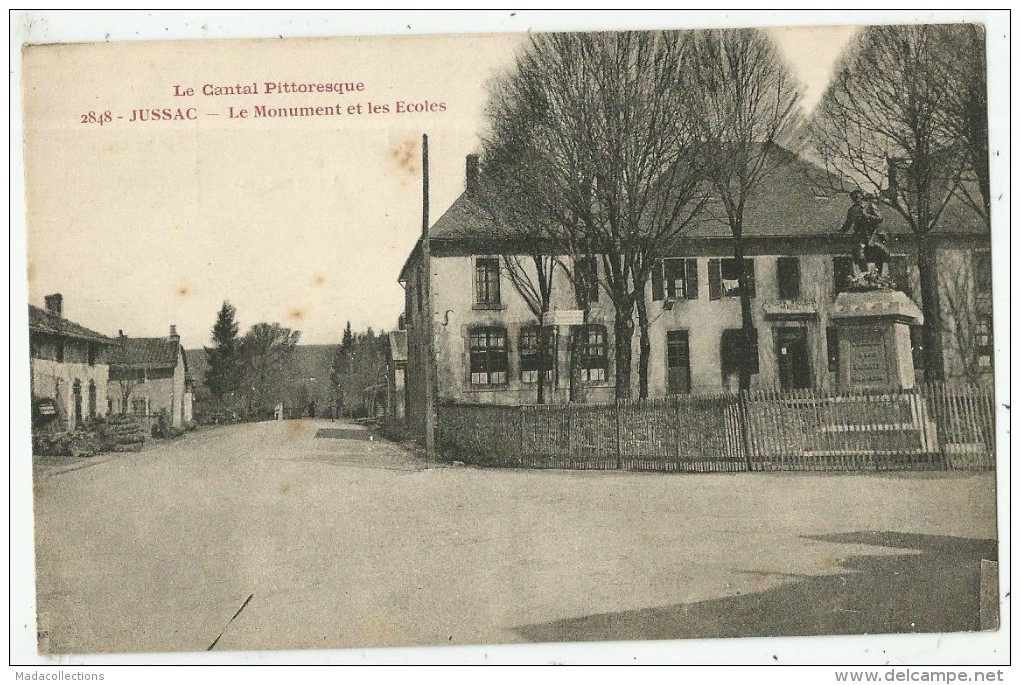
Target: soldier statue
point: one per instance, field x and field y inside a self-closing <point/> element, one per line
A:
<point x="864" y="220"/>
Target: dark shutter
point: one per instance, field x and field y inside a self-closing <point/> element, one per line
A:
<point x="714" y="279"/>
<point x="749" y="278"/>
<point x="788" y="277"/>
<point x="842" y="270"/>
<point x="657" y="277"/>
<point x="982" y="267"/>
<point x="751" y="347"/>
<point x="900" y="273"/>
<point x="832" y="347"/>
<point x="691" y="275"/>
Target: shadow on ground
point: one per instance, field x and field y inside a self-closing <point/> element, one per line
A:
<point x="932" y="588"/>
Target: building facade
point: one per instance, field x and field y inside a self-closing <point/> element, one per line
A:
<point x="69" y="368"/>
<point x="149" y="376"/>
<point x="396" y="372"/>
<point x="485" y="337"/>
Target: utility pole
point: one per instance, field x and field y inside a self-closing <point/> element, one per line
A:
<point x="428" y="354"/>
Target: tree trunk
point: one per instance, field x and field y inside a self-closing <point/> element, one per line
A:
<point x="927" y="267"/>
<point x="644" y="347"/>
<point x="574" y="392"/>
<point x="541" y="359"/>
<point x="746" y="322"/>
<point x="624" y="333"/>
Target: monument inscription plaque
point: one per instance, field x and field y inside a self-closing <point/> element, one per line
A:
<point x="868" y="363"/>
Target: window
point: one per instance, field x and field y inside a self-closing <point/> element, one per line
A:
<point x="982" y="267"/>
<point x="675" y="279"/>
<point x="60" y="350"/>
<point x="419" y="293"/>
<point x="489" y="363"/>
<point x="678" y="363"/>
<point x="724" y="278"/>
<point x="984" y="348"/>
<point x="487" y="282"/>
<point x="735" y="347"/>
<point x="93" y="398"/>
<point x="842" y="273"/>
<point x="590" y="346"/>
<point x="93" y="352"/>
<point x="138" y="406"/>
<point x="587" y="278"/>
<point x="535" y="356"/>
<point x="788" y="277"/>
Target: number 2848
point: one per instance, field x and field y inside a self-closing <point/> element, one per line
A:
<point x="97" y="118"/>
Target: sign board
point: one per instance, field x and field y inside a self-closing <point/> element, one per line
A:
<point x="868" y="364"/>
<point x="46" y="407"/>
<point x="565" y="317"/>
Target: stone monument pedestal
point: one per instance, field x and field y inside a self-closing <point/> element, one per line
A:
<point x="873" y="328"/>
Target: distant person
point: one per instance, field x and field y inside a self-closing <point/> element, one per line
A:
<point x="311" y="409"/>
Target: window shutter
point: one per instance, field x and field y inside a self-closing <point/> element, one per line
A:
<point x="788" y="277"/>
<point x="749" y="277"/>
<point x="751" y="347"/>
<point x="842" y="269"/>
<point x="691" y="276"/>
<point x="714" y="279"/>
<point x="832" y="347"/>
<point x="657" y="277"/>
<point x="900" y="273"/>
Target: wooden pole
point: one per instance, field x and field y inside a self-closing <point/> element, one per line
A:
<point x="427" y="344"/>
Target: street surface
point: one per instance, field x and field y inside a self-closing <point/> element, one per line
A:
<point x="264" y="536"/>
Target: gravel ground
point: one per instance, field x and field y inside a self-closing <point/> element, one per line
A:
<point x="348" y="542"/>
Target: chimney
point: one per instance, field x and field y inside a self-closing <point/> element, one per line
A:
<point x="173" y="334"/>
<point x="472" y="174"/>
<point x="55" y="304"/>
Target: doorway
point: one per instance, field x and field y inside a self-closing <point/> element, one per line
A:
<point x="76" y="392"/>
<point x="794" y="359"/>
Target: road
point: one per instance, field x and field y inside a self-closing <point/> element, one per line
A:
<point x="264" y="536"/>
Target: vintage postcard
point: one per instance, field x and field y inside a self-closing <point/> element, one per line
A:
<point x="542" y="336"/>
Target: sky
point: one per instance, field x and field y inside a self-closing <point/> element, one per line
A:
<point x="303" y="221"/>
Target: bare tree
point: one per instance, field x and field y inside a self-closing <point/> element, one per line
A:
<point x="963" y="61"/>
<point x="604" y="120"/>
<point x="134" y="378"/>
<point x="965" y="325"/>
<point x="527" y="225"/>
<point x="748" y="102"/>
<point x="885" y="122"/>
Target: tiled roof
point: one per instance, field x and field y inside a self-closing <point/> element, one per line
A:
<point x="789" y="203"/>
<point x="398" y="346"/>
<point x="42" y="321"/>
<point x="147" y="353"/>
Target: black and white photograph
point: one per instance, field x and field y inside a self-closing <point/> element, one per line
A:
<point x="679" y="334"/>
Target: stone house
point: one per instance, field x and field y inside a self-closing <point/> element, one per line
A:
<point x="149" y="376"/>
<point x="485" y="335"/>
<point x="69" y="368"/>
<point x="396" y="371"/>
